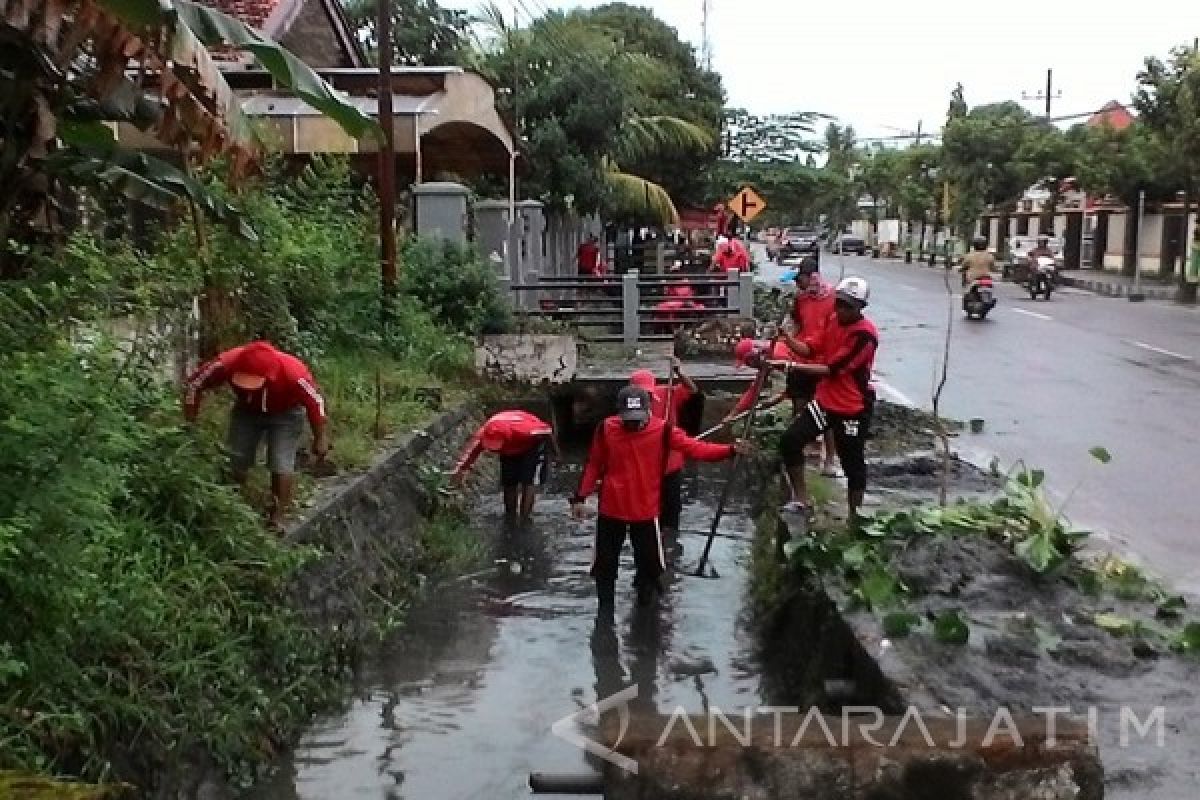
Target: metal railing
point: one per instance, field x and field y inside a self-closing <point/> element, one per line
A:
<point x="637" y="307"/>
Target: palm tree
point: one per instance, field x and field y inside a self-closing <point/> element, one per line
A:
<point x="641" y="137"/>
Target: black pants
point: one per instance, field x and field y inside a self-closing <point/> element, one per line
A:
<point x="647" y="551"/>
<point x="849" y="436"/>
<point x="801" y="387"/>
<point x="672" y="501"/>
<point x="524" y="469"/>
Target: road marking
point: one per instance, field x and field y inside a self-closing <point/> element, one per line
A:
<point x="908" y="288"/>
<point x="1046" y="317"/>
<point x="1158" y="350"/>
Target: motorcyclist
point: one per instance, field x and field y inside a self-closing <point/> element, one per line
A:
<point x="1041" y="251"/>
<point x="977" y="264"/>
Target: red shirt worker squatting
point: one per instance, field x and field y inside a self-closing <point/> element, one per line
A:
<point x="273" y="392"/>
<point x="521" y="440"/>
<point x="626" y="461"/>
<point x="844" y="398"/>
<point x="680" y="395"/>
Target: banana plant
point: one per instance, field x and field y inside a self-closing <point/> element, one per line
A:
<point x="141" y="61"/>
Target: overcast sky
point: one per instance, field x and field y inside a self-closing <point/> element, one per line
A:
<point x="883" y="65"/>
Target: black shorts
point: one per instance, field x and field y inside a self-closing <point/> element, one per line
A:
<point x="849" y="436"/>
<point x="525" y="469"/>
<point x="672" y="501"/>
<point x="801" y="386"/>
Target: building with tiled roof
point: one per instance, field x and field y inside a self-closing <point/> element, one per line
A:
<point x="1114" y="115"/>
<point x="315" y="30"/>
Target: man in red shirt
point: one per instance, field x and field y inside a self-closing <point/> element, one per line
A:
<point x="587" y="257"/>
<point x="273" y="392"/>
<point x="730" y="254"/>
<point x="627" y="459"/>
<point x="844" y="397"/>
<point x="520" y="439"/>
<point x="679" y="396"/>
<point x="812" y="316"/>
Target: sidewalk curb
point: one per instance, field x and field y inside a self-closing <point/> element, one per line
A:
<point x="1112" y="289"/>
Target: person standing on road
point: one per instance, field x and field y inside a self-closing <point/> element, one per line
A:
<point x="626" y="461"/>
<point x="977" y="264"/>
<point x="273" y="392"/>
<point x="844" y="398"/>
<point x="521" y="440"/>
<point x="667" y="405"/>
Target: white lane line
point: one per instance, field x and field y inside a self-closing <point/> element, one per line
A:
<point x="1158" y="350"/>
<point x="892" y="394"/>
<point x="908" y="288"/>
<point x="1046" y="317"/>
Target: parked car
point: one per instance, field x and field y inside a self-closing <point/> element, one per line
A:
<point x="849" y="243"/>
<point x="798" y="241"/>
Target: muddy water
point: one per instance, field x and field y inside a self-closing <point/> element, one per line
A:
<point x="461" y="704"/>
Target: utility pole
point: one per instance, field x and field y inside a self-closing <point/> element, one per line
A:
<point x="1048" y="95"/>
<point x="705" y="41"/>
<point x="387" y="159"/>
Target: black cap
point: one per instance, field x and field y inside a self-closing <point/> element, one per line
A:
<point x="633" y="404"/>
<point x="807" y="266"/>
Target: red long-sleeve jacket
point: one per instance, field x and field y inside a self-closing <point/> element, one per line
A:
<point x="629" y="466"/>
<point x="288" y="381"/>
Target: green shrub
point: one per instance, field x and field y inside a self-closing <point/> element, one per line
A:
<point x="142" y="602"/>
<point x="455" y="285"/>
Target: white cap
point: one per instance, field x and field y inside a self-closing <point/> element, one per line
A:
<point x="854" y="289"/>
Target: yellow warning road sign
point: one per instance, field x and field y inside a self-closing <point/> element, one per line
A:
<point x="747" y="204"/>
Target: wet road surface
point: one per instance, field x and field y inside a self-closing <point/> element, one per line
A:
<point x="461" y="704"/>
<point x="1051" y="381"/>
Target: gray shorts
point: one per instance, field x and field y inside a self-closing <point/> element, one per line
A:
<point x="283" y="432"/>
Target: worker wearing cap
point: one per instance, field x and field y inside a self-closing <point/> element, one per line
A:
<point x="273" y="392"/>
<point x="666" y="403"/>
<point x="520" y="439"/>
<point x="844" y="400"/>
<point x="626" y="462"/>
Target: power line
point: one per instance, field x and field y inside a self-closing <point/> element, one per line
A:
<point x="1038" y="122"/>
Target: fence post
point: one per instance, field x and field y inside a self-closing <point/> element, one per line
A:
<point x="733" y="293"/>
<point x="746" y="294"/>
<point x="660" y="257"/>
<point x="630" y="302"/>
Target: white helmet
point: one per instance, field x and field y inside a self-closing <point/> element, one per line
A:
<point x="855" y="290"/>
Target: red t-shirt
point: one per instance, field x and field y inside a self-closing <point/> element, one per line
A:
<point x="587" y="259"/>
<point x="288" y="382"/>
<point x="812" y="312"/>
<point x="680" y="291"/>
<point x="849" y="352"/>
<point x="517" y="432"/>
<point x="732" y="255"/>
<point x="628" y="465"/>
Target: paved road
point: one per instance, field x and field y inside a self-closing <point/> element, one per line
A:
<point x="1053" y="380"/>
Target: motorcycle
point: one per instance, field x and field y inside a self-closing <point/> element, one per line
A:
<point x="979" y="298"/>
<point x="1042" y="278"/>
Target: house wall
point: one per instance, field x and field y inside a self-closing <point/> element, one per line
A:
<point x="1114" y="252"/>
<point x="311" y="37"/>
